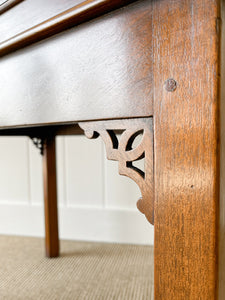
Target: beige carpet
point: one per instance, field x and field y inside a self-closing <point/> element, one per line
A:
<point x="94" y="271"/>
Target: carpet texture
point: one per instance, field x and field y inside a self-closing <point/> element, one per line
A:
<point x="95" y="271"/>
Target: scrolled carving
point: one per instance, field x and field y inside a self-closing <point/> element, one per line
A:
<point x="39" y="143"/>
<point x="125" y="153"/>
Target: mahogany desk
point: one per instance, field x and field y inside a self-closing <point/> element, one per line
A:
<point x="149" y="67"/>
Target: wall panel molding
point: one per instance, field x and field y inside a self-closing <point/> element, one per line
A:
<point x="105" y="212"/>
<point x="90" y="224"/>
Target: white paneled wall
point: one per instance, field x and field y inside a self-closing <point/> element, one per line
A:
<point x="95" y="203"/>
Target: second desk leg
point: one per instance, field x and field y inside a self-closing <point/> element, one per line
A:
<point x="50" y="198"/>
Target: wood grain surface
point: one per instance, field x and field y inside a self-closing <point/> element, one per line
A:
<point x="221" y="284"/>
<point x="113" y="67"/>
<point x="186" y="48"/>
<point x="98" y="70"/>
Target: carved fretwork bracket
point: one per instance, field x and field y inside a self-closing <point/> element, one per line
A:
<point x="39" y="142"/>
<point x="122" y="151"/>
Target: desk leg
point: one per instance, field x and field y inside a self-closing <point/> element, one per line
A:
<point x="50" y="198"/>
<point x="186" y="131"/>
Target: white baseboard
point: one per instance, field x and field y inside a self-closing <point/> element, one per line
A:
<point x="75" y="223"/>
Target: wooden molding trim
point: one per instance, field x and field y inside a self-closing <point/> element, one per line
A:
<point x="7" y="4"/>
<point x="122" y="150"/>
<point x="76" y="15"/>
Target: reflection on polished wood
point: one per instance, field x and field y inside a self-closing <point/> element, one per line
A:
<point x="71" y="77"/>
<point x="33" y="12"/>
<point x="76" y="15"/>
